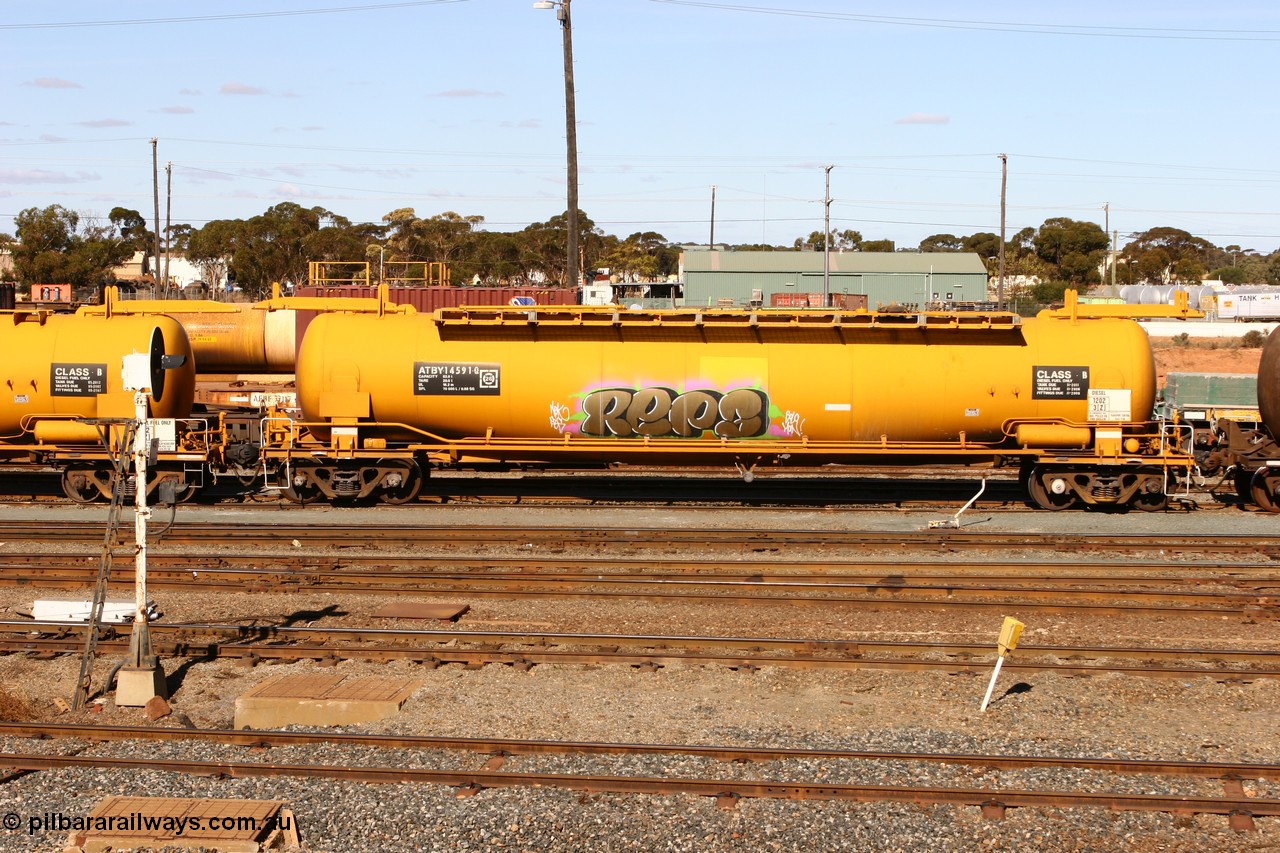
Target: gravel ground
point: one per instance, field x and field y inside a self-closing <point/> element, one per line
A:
<point x="1193" y="719"/>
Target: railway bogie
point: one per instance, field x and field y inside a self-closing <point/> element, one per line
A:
<point x="388" y="480"/>
<point x="1247" y="453"/>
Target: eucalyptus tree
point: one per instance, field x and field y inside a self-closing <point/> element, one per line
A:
<point x="56" y="245"/>
<point x="1073" y="250"/>
<point x="1169" y="254"/>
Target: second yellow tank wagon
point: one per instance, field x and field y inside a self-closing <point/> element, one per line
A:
<point x="1066" y="396"/>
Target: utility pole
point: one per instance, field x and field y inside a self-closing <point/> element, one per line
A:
<point x="571" y="138"/>
<point x="1111" y="249"/>
<point x="712" y="244"/>
<point x="1115" y="240"/>
<point x="826" y="242"/>
<point x="168" y="224"/>
<point x="1004" y="185"/>
<point x="155" y="187"/>
<point x="571" y="132"/>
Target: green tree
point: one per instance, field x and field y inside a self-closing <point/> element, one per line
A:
<point x="542" y="247"/>
<point x="1169" y="254"/>
<point x="942" y="243"/>
<point x="1230" y="275"/>
<point x="642" y="256"/>
<point x="132" y="228"/>
<point x="497" y="257"/>
<point x="54" y="247"/>
<point x="1048" y="292"/>
<point x="877" y="246"/>
<point x="272" y="247"/>
<point x="211" y="248"/>
<point x="1072" y="250"/>
<point x="841" y="241"/>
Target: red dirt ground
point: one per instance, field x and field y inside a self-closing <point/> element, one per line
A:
<point x="1199" y="358"/>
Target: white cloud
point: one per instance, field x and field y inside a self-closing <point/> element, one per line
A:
<point x="105" y="122"/>
<point x="54" y="83"/>
<point x="466" y="93"/>
<point x="42" y="176"/>
<point x="924" y="118"/>
<point x="241" y="89"/>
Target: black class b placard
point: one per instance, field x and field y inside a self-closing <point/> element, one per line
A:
<point x="77" y="380"/>
<point x="1059" y="383"/>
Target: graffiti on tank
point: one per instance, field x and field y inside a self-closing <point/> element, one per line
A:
<point x="559" y="416"/>
<point x="793" y="424"/>
<point x="659" y="412"/>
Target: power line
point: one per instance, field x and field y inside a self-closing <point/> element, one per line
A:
<point x="1166" y="33"/>
<point x="132" y="22"/>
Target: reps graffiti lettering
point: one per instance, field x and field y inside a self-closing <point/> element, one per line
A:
<point x="656" y="412"/>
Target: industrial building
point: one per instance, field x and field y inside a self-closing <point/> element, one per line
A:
<point x="783" y="279"/>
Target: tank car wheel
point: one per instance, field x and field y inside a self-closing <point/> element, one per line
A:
<point x="1151" y="503"/>
<point x="408" y="488"/>
<point x="79" y="486"/>
<point x="1262" y="491"/>
<point x="301" y="494"/>
<point x="1044" y="497"/>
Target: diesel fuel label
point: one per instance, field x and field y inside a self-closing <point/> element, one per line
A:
<point x="446" y="379"/>
<point x="1059" y="383"/>
<point x="77" y="380"/>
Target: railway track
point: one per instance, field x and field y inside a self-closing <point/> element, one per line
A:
<point x="523" y="650"/>
<point x="1239" y="596"/>
<point x="757" y="772"/>
<point x="444" y="536"/>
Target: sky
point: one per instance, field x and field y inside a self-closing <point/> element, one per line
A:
<point x="1133" y="115"/>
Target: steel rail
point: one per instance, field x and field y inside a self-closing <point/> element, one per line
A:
<point x="190" y="632"/>
<point x="1103" y="572"/>
<point x="258" y="738"/>
<point x="200" y="533"/>
<point x="652" y="659"/>
<point x="719" y="788"/>
<point x="529" y="582"/>
<point x="1199" y="604"/>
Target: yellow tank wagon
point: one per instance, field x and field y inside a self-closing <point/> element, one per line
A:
<point x="1066" y="396"/>
<point x="59" y="370"/>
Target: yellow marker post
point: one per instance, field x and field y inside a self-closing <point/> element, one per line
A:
<point x="1010" y="631"/>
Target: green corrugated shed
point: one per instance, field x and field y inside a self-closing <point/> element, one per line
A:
<point x="884" y="277"/>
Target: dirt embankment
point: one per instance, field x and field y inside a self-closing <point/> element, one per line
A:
<point x="1203" y="357"/>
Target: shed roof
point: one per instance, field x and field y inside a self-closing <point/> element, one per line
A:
<point x="841" y="262"/>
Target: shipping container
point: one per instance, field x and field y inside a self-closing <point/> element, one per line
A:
<point x="1204" y="397"/>
<point x="428" y="299"/>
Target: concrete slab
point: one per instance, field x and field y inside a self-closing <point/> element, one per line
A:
<point x="136" y="686"/>
<point x="227" y="826"/>
<point x="77" y="610"/>
<point x="321" y="700"/>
